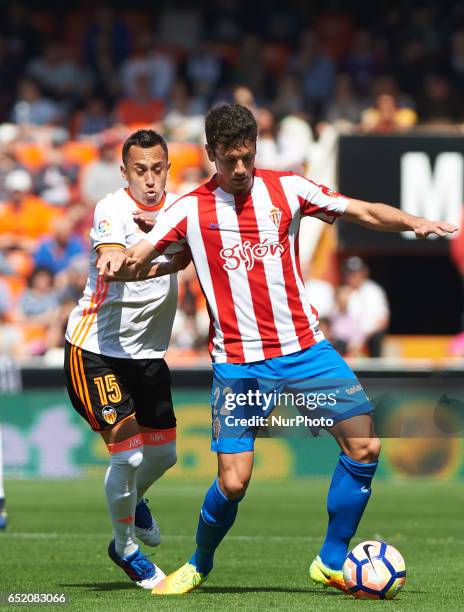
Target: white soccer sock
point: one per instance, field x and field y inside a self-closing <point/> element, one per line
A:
<point x="121" y="492"/>
<point x="158" y="456"/>
<point x="2" y="490"/>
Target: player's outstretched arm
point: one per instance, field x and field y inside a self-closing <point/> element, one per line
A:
<point x="383" y="217"/>
<point x="122" y="265"/>
<point x="176" y="262"/>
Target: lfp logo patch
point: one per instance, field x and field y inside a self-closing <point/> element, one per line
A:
<point x="104" y="228"/>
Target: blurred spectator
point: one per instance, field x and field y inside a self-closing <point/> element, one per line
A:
<point x="24" y="218"/>
<point x="81" y="216"/>
<point x="104" y="174"/>
<point x="285" y="147"/>
<point x="439" y="102"/>
<point x="204" y="71"/>
<point x="362" y="62"/>
<point x="38" y="313"/>
<point x="317" y="71"/>
<point x="289" y="96"/>
<point x="184" y="121"/>
<point x="346" y="105"/>
<point x="367" y="304"/>
<point x="387" y="84"/>
<point x="386" y="116"/>
<point x="191" y="324"/>
<point x="267" y="154"/>
<point x="8" y="162"/>
<point x="39" y="302"/>
<point x="73" y="281"/>
<point x="295" y="140"/>
<point x="244" y="96"/>
<point x="70" y="283"/>
<point x="6" y="302"/>
<point x="32" y="108"/>
<point x="346" y="333"/>
<point x="106" y="74"/>
<point x="148" y="60"/>
<point x="55" y="253"/>
<point x="140" y="108"/>
<point x="106" y="28"/>
<point x="10" y="335"/>
<point x="58" y="75"/>
<point x="56" y="179"/>
<point x="251" y="70"/>
<point x="93" y="118"/>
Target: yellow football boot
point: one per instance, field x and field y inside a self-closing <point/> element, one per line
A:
<point x="180" y="582"/>
<point x="321" y="574"/>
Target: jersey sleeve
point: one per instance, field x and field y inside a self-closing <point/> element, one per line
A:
<point x="318" y="200"/>
<point x="170" y="227"/>
<point x="108" y="226"/>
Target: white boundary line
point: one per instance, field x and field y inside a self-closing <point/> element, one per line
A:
<point x="237" y="538"/>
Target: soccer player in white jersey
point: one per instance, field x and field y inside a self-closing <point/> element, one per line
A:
<point x="116" y="339"/>
<point x="242" y="229"/>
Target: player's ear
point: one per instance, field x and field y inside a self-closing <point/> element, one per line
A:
<point x="123" y="171"/>
<point x="210" y="153"/>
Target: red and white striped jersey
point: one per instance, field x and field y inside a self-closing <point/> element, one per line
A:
<point x="245" y="250"/>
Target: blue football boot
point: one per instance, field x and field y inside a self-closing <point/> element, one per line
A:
<point x="139" y="569"/>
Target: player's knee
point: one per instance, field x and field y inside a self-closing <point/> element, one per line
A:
<point x="128" y="459"/>
<point x="365" y="450"/>
<point x="135" y="459"/>
<point x="168" y="455"/>
<point x="233" y="486"/>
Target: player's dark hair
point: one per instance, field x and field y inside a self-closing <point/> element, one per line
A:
<point x="145" y="139"/>
<point x="229" y="126"/>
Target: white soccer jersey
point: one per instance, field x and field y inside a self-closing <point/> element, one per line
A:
<point x="126" y="320"/>
<point x="245" y="250"/>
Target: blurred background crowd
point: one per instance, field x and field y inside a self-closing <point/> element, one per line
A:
<point x="78" y="78"/>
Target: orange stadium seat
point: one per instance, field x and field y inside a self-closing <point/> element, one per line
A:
<point x="31" y="155"/>
<point x="182" y="156"/>
<point x="80" y="152"/>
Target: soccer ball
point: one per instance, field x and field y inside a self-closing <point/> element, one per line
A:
<point x="374" y="570"/>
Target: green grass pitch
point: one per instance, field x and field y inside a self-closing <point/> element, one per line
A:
<point x="58" y="533"/>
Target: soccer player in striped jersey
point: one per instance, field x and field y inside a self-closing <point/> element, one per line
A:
<point x="116" y="339"/>
<point x="242" y="229"/>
